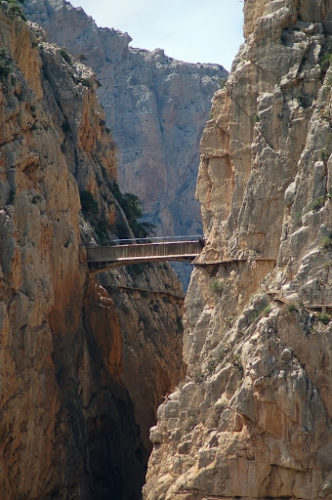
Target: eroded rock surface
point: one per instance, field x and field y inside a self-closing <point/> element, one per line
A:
<point x="71" y="423"/>
<point x="155" y="106"/>
<point x="253" y="417"/>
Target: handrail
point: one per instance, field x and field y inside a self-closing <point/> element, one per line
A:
<point x="154" y="239"/>
<point x="102" y="257"/>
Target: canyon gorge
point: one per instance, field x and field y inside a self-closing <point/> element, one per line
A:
<point x="156" y="108"/>
<point x="234" y="384"/>
<point x="84" y="361"/>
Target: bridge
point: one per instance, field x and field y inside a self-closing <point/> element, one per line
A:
<point x="125" y="252"/>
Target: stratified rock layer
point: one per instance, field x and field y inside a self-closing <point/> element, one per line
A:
<point x="253" y="417"/>
<point x="71" y="422"/>
<point x="155" y="106"/>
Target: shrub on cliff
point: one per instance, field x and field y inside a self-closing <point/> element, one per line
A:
<point x="133" y="209"/>
<point x="64" y="54"/>
<point x="5" y="64"/>
<point x="89" y="204"/>
<point x="13" y="7"/>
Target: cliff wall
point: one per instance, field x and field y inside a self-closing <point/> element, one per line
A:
<point x="72" y="376"/>
<point x="156" y="108"/>
<point x="253" y="417"/>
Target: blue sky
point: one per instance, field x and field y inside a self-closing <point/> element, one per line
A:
<point x="190" y="30"/>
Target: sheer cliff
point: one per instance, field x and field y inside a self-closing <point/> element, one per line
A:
<point x="252" y="419"/>
<point x="80" y="358"/>
<point x="156" y="108"/>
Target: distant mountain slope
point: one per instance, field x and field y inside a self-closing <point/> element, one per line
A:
<point x="156" y="108"/>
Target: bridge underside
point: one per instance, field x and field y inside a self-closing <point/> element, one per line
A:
<point x="99" y="267"/>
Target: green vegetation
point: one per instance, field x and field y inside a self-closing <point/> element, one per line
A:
<point x="325" y="61"/>
<point x="102" y="227"/>
<point x="317" y="203"/>
<point x="325" y="154"/>
<point x="89" y="204"/>
<point x="85" y="82"/>
<point x="217" y="286"/>
<point x="221" y="356"/>
<point x="324" y="318"/>
<point x="258" y="311"/>
<point x="229" y="320"/>
<point x="5" y="64"/>
<point x="328" y="81"/>
<point x="12" y="7"/>
<point x="291" y="308"/>
<point x="326" y="242"/>
<point x="253" y="315"/>
<point x="211" y="366"/>
<point x="298" y="217"/>
<point x="198" y="376"/>
<point x="266" y="311"/>
<point x="130" y="204"/>
<point x="64" y="54"/>
<point x="132" y="207"/>
<point x="90" y="209"/>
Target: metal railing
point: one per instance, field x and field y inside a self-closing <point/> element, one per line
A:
<point x="155" y="239"/>
<point x="129" y="251"/>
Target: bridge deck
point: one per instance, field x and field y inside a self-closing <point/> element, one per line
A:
<point x="103" y="257"/>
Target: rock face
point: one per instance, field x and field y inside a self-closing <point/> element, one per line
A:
<point x="155" y="106"/>
<point x="253" y="417"/>
<point x="72" y="359"/>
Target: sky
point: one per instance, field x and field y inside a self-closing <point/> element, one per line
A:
<point x="206" y="31"/>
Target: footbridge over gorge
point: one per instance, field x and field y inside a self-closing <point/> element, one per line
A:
<point x="141" y="250"/>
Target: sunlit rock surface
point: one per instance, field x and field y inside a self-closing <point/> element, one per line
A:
<point x="72" y="352"/>
<point x="253" y="417"/>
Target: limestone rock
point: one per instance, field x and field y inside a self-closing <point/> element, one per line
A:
<point x="70" y="422"/>
<point x="155" y="106"/>
<point x="253" y="417"/>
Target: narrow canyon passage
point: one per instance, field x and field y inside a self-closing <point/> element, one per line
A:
<point x="112" y="383"/>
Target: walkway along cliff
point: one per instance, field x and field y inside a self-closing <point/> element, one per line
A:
<point x="83" y="366"/>
<point x="252" y="419"/>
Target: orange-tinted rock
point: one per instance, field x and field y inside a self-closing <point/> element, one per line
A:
<point x="68" y="425"/>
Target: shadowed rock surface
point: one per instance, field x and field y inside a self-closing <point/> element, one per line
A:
<point x="77" y="362"/>
<point x="156" y="108"/>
